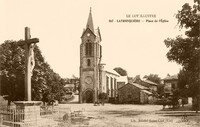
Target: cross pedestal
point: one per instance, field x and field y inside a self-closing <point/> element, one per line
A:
<point x="30" y="111"/>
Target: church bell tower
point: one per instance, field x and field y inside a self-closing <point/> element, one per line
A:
<point x="90" y="59"/>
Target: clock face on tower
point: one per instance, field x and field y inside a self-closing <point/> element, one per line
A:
<point x="88" y="34"/>
<point x="88" y="80"/>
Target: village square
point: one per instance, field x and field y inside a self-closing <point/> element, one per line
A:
<point x="33" y="94"/>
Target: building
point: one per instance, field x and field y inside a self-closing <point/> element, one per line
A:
<point x="133" y="93"/>
<point x="141" y="96"/>
<point x="69" y="87"/>
<point x="151" y="85"/>
<point x="94" y="78"/>
<point x="170" y="83"/>
<point x="108" y="82"/>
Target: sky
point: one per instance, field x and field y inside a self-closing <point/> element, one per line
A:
<point x="138" y="47"/>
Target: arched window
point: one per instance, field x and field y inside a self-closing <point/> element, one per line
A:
<point x="88" y="62"/>
<point x="88" y="48"/>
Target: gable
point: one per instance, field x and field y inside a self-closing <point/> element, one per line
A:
<point x="87" y="31"/>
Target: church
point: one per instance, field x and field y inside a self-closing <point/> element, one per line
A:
<point x="94" y="78"/>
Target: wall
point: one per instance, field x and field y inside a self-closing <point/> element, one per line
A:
<point x="112" y="88"/>
<point x="129" y="94"/>
<point x="143" y="98"/>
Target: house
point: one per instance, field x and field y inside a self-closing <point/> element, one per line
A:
<point x="69" y="87"/>
<point x="170" y="83"/>
<point x="133" y="93"/>
<point x="151" y="85"/>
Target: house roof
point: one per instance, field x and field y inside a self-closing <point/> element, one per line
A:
<point x="150" y="82"/>
<point x="173" y="77"/>
<point x="136" y="85"/>
<point x="147" y="92"/>
<point x="139" y="86"/>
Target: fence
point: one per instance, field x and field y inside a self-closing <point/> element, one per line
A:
<point x="48" y="116"/>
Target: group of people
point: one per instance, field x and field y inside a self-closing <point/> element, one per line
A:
<point x="172" y="102"/>
<point x="102" y="98"/>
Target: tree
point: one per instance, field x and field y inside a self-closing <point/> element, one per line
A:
<point x="182" y="79"/>
<point x="45" y="82"/>
<point x="121" y="71"/>
<point x="185" y="51"/>
<point x="12" y="70"/>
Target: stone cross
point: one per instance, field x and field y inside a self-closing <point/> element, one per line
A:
<point x="29" y="61"/>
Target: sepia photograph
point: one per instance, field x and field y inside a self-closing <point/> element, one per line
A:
<point x="102" y="63"/>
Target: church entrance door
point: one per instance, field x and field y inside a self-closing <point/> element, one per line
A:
<point x="89" y="96"/>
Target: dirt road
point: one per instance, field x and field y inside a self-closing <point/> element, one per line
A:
<point x="129" y="116"/>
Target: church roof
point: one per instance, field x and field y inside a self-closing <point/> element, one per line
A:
<point x="90" y="22"/>
<point x="112" y="72"/>
<point x="99" y="34"/>
<point x="109" y="70"/>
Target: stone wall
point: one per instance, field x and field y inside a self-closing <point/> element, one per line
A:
<point x="129" y="94"/>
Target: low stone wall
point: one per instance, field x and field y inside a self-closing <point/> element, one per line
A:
<point x="33" y="116"/>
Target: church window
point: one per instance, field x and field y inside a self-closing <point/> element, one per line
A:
<point x="88" y="62"/>
<point x="115" y="87"/>
<point x="111" y="84"/>
<point x="100" y="51"/>
<point x="88" y="49"/>
<point x="107" y="84"/>
<point x="115" y="84"/>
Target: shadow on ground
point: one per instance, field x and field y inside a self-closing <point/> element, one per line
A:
<point x="127" y="113"/>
